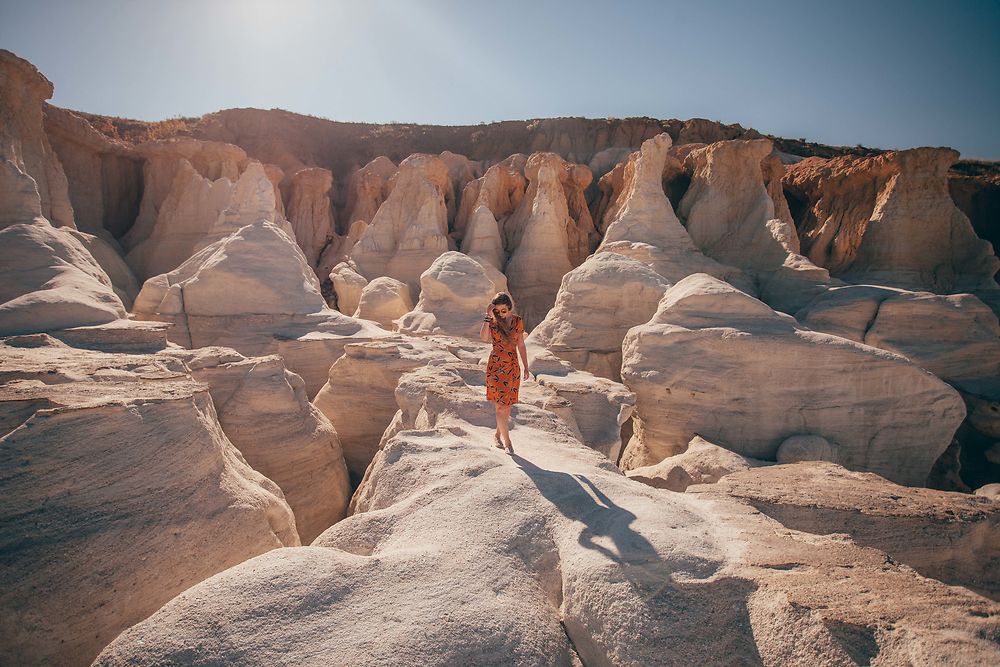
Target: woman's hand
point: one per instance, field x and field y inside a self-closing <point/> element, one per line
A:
<point x="527" y="374"/>
<point x="489" y="311"/>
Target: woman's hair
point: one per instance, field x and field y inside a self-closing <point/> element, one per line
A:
<point x="502" y="299"/>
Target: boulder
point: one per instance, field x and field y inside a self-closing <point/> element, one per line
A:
<point x="121" y="490"/>
<point x="49" y="281"/>
<point x="718" y="363"/>
<point x="593" y="568"/>
<point x="597" y="303"/>
<point x="384" y="300"/>
<point x="410" y="229"/>
<point x="347" y="285"/>
<point x="454" y="293"/>
<point x="265" y="412"/>
<point x="701" y="463"/>
<point x="253" y="291"/>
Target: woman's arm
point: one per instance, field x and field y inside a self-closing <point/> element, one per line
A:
<point x="484" y="332"/>
<point x="523" y="352"/>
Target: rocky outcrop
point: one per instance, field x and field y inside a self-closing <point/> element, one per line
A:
<point x="384" y="300"/>
<point x="253" y="291"/>
<point x="482" y="238"/>
<point x="595" y="567"/>
<point x="956" y="337"/>
<point x="347" y="286"/>
<point x="538" y="233"/>
<point x="454" y="293"/>
<point x="951" y="537"/>
<point x="410" y="229"/>
<point x="264" y="411"/>
<point x="108" y="256"/>
<point x="500" y="190"/>
<point x="24" y="144"/>
<point x="362" y="382"/>
<point x="890" y="220"/>
<point x="121" y="490"/>
<point x="310" y="211"/>
<point x="701" y="463"/>
<point x="731" y="215"/>
<point x="48" y="281"/>
<point x="104" y="176"/>
<point x="598" y="302"/>
<point x="718" y="363"/>
<point x="368" y="187"/>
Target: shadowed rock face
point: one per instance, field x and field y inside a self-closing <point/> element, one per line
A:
<point x="121" y="490"/>
<point x="562" y="559"/>
<point x="890" y="220"/>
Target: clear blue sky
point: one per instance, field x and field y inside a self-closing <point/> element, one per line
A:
<point x="892" y="74"/>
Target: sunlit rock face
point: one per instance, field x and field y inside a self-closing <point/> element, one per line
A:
<point x="453" y="294"/>
<point x="24" y="144"/>
<point x="718" y="363"/>
<point x="121" y="490"/>
<point x="596" y="566"/>
<point x="310" y="211"/>
<point x="253" y="291"/>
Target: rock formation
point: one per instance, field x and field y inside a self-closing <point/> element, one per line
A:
<point x="362" y="382"/>
<point x="264" y="411"/>
<point x="121" y="490"/>
<point x="104" y="175"/>
<point x="49" y="281"/>
<point x="454" y="293"/>
<point x="701" y="463"/>
<point x="410" y="228"/>
<point x="594" y="569"/>
<point x="367" y="189"/>
<point x="23" y="142"/>
<point x="890" y="220"/>
<point x="500" y="190"/>
<point x="384" y="300"/>
<point x="732" y="217"/>
<point x="598" y="302"/>
<point x="253" y="291"/>
<point x="347" y="285"/>
<point x="310" y="211"/>
<point x="883" y="414"/>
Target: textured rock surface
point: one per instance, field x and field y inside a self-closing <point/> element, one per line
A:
<point x="384" y="300"/>
<point x="121" y="490"/>
<point x="951" y="537"/>
<point x="362" y="382"/>
<point x="890" y="220"/>
<point x="23" y="142"/>
<point x="701" y="463"/>
<point x="561" y="559"/>
<point x="108" y="255"/>
<point x="265" y="413"/>
<point x="347" y="285"/>
<point x="538" y="233"/>
<point x="731" y="216"/>
<point x="310" y="210"/>
<point x="367" y="189"/>
<point x="718" y="363"/>
<point x="253" y="291"/>
<point x="49" y="281"/>
<point x="956" y="337"/>
<point x="598" y="302"/>
<point x="454" y="292"/>
<point x="410" y="228"/>
<point x="104" y="175"/>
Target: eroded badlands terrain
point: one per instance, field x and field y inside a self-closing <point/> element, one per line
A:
<point x="243" y="416"/>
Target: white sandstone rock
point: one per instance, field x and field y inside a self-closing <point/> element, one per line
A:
<point x="384" y="300"/>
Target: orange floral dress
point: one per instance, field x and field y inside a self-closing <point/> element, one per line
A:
<point x="503" y="372"/>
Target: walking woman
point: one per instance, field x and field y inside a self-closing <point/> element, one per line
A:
<point x="503" y="373"/>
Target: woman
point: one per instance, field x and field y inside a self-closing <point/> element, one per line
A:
<point x="503" y="373"/>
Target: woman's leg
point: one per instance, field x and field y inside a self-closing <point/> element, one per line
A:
<point x="500" y="420"/>
<point x="504" y="431"/>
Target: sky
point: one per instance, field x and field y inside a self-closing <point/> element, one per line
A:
<point x="881" y="73"/>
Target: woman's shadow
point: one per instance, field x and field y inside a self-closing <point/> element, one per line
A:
<point x="579" y="499"/>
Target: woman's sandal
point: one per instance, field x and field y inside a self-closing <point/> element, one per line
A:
<point x="509" y="449"/>
<point x="497" y="443"/>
